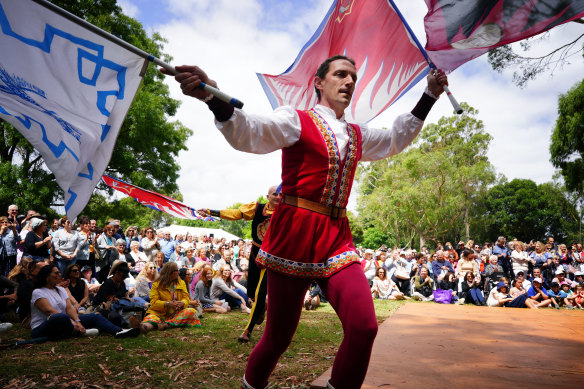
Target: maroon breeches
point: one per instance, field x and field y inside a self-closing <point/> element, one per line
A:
<point x="349" y="294"/>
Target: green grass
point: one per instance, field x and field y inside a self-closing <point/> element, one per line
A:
<point x="206" y="357"/>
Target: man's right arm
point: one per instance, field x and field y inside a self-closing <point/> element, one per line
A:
<point x="259" y="134"/>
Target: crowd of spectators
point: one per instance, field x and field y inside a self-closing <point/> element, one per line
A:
<point x="511" y="274"/>
<point x="137" y="279"/>
<point x="140" y="277"/>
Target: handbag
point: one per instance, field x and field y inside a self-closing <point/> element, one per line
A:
<point x="442" y="296"/>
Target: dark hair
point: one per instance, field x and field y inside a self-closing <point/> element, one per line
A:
<point x="182" y="273"/>
<point x="44" y="273"/>
<point x="466" y="253"/>
<point x="324" y="68"/>
<point x="83" y="220"/>
<point x="68" y="269"/>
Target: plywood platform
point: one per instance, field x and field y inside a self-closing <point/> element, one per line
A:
<point x="453" y="346"/>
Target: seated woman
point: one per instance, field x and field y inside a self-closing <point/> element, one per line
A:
<point x="91" y="282"/>
<point x="159" y="260"/>
<point x="145" y="279"/>
<point x="423" y="286"/>
<point x="189" y="259"/>
<point x="493" y="273"/>
<point x="120" y="254"/>
<point x="78" y="289"/>
<point x="384" y="288"/>
<point x="518" y="289"/>
<point x="202" y="292"/>
<point x="470" y="291"/>
<point x="467" y="263"/>
<point x="169" y="303"/>
<point x="137" y="256"/>
<point x="53" y="315"/>
<point x="187" y="276"/>
<point x="450" y="283"/>
<point x="500" y="297"/>
<point x="224" y="288"/>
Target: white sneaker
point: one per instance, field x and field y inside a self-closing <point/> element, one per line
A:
<point x="91" y="332"/>
<point x="5" y="327"/>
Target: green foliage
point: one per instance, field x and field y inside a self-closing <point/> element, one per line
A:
<point x="428" y="190"/>
<point x="524" y="210"/>
<point x="356" y="228"/>
<point x="374" y="238"/>
<point x="567" y="143"/>
<point x="148" y="144"/>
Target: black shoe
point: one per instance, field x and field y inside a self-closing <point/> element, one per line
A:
<point x="128" y="333"/>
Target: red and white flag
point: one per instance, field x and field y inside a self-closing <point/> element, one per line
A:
<point x="154" y="200"/>
<point x="458" y="31"/>
<point x="371" y="32"/>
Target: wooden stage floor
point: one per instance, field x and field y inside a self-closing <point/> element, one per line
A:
<point x="453" y="346"/>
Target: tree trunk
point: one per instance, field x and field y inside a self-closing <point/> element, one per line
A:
<point x="466" y="225"/>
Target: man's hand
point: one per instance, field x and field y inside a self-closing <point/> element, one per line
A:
<point x="190" y="77"/>
<point x="436" y="79"/>
<point x="203" y="212"/>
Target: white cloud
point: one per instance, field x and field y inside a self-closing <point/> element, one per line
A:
<point x="232" y="40"/>
<point x="129" y="8"/>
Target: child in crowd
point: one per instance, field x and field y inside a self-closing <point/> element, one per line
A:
<point x="558" y="297"/>
<point x="577" y="298"/>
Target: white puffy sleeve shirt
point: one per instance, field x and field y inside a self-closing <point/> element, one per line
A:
<point x="262" y="134"/>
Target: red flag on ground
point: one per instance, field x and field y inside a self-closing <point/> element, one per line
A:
<point x="371" y="32"/>
<point x="459" y="30"/>
<point x="154" y="200"/>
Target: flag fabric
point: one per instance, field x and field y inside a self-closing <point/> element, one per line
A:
<point x="388" y="61"/>
<point x="154" y="200"/>
<point x="67" y="91"/>
<point x="460" y="30"/>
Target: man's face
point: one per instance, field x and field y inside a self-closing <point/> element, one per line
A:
<point x="167" y="236"/>
<point x="92" y="225"/>
<point x="274" y="198"/>
<point x="12" y="211"/>
<point x="550" y="241"/>
<point x="536" y="273"/>
<point x="338" y="85"/>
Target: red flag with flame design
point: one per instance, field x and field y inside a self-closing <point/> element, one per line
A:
<point x="372" y="33"/>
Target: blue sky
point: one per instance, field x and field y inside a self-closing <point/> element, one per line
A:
<point x="232" y="40"/>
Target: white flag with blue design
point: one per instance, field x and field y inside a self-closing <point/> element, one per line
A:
<point x="67" y="90"/>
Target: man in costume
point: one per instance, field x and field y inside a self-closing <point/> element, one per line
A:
<point x="309" y="236"/>
<point x="257" y="285"/>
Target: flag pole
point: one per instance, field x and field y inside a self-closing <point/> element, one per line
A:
<point x="104" y="34"/>
<point x="455" y="105"/>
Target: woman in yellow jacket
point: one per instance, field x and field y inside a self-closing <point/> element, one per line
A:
<point x="169" y="302"/>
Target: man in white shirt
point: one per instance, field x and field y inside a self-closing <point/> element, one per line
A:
<point x="309" y="236"/>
